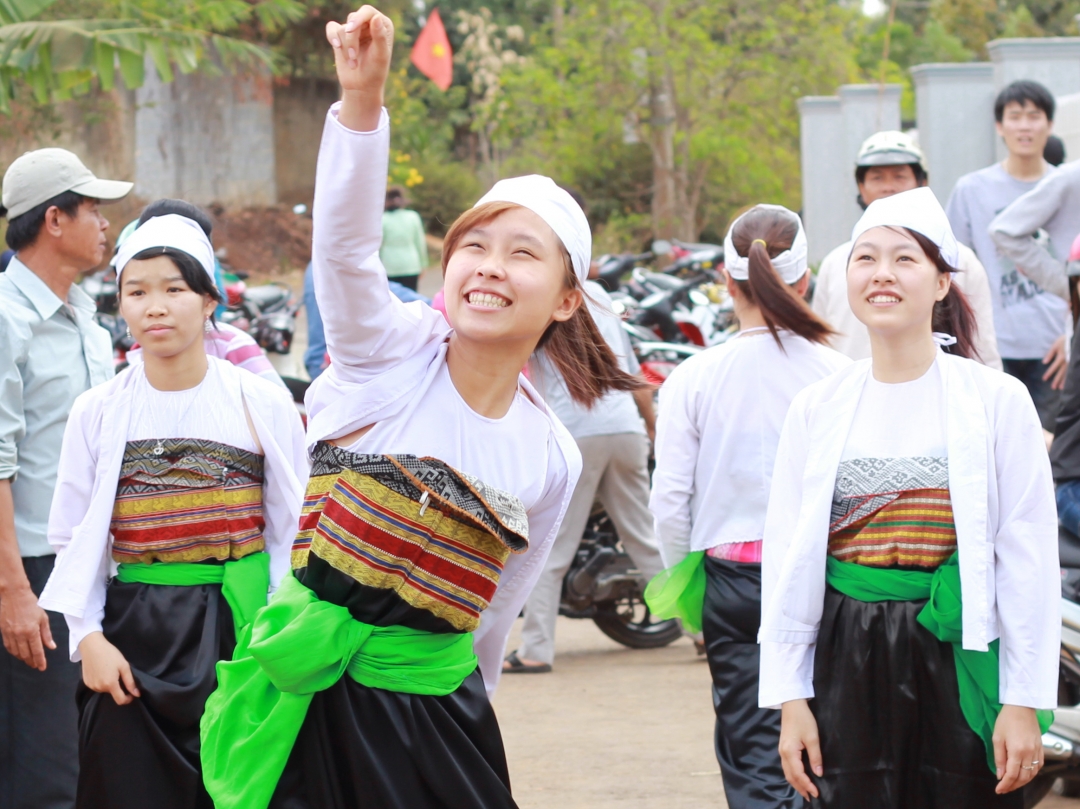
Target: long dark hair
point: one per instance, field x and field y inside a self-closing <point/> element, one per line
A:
<point x="953" y="314"/>
<point x="575" y="347"/>
<point x="761" y="234"/>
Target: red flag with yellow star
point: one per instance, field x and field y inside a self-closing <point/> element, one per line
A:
<point x="431" y="54"/>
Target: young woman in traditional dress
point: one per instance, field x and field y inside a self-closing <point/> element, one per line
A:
<point x="720" y="418"/>
<point x="438" y="484"/>
<point x="179" y="490"/>
<point x="906" y="487"/>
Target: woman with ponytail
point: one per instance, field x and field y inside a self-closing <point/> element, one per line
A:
<point x="910" y="622"/>
<point x="719" y="423"/>
<point x="438" y="482"/>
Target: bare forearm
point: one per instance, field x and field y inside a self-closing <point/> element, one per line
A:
<point x="644" y="400"/>
<point x="12" y="575"/>
<point x="360" y="110"/>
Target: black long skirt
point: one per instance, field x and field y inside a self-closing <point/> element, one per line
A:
<point x="888" y="711"/>
<point x="747" y="737"/>
<point x="368" y="748"/>
<point x="146" y="754"/>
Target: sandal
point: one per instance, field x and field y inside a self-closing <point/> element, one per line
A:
<point x="514" y="665"/>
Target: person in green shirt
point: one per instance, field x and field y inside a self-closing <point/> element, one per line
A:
<point x="404" y="250"/>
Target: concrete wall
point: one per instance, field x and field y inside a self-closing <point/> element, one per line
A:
<point x="832" y="128"/>
<point x="206" y="139"/>
<point x="1067" y="124"/>
<point x="99" y="128"/>
<point x="955" y="109"/>
<point x="299" y="112"/>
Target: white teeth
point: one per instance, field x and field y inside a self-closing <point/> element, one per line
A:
<point x="884" y="299"/>
<point x="489" y="301"/>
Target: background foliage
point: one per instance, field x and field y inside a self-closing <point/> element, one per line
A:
<point x="667" y="115"/>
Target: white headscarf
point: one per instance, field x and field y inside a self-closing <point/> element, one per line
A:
<point x="171" y="230"/>
<point x="790" y="265"/>
<point x="917" y="210"/>
<point x="556" y="207"/>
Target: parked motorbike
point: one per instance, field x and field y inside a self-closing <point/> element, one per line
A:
<point x="266" y="312"/>
<point x="1061" y="743"/>
<point x="603" y="585"/>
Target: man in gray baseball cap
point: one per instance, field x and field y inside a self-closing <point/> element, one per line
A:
<point x="51" y="350"/>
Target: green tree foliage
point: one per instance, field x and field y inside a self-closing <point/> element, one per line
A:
<point x="684" y="110"/>
<point x="45" y="46"/>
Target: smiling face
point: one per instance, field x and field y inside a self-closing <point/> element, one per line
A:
<point x="1024" y="128"/>
<point x="893" y="285"/>
<point x="165" y="316"/>
<point x="507" y="279"/>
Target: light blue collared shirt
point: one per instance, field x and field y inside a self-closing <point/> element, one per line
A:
<point x="50" y="352"/>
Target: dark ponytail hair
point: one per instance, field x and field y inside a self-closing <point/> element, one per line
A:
<point x="761" y="234"/>
<point x="575" y="347"/>
<point x="953" y="314"/>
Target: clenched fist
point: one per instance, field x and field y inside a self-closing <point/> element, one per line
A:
<point x="362" y="49"/>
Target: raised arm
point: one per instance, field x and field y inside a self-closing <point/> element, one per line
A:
<point x="367" y="329"/>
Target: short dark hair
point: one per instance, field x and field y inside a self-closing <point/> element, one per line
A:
<point x="1020" y="92"/>
<point x="1054" y="151"/>
<point x="920" y="175"/>
<point x="23" y="230"/>
<point x="164" y="207"/>
<point x="193" y="273"/>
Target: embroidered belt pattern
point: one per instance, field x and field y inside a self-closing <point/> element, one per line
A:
<point x="893" y="512"/>
<point x="434" y="536"/>
<point x="199" y="500"/>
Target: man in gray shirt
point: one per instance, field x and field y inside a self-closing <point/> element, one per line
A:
<point x="1030" y="323"/>
<point x="51" y="350"/>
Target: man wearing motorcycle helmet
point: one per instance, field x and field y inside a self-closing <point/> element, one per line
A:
<point x="888" y="163"/>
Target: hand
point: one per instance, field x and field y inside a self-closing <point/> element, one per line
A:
<point x="798" y="732"/>
<point x="104" y="669"/>
<point x="1017" y="745"/>
<point x="362" y="50"/>
<point x="1058" y="364"/>
<point x="25" y="626"/>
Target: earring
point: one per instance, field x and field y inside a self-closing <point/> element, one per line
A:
<point x="127" y="331"/>
<point x="207" y="327"/>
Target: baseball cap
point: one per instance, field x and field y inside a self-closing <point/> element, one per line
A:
<point x="890" y="148"/>
<point x="38" y="176"/>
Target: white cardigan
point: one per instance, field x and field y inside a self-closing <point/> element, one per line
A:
<point x="89" y="472"/>
<point x="1006" y="527"/>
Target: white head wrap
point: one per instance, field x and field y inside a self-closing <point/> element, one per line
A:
<point x="171" y="230"/>
<point x="556" y="207"/>
<point x="917" y="210"/>
<point x="790" y="265"/>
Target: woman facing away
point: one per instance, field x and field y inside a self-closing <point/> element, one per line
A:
<point x="178" y="493"/>
<point x="910" y="623"/>
<point x="439" y="480"/>
<point x="720" y="417"/>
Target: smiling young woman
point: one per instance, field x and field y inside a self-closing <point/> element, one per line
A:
<point x="438" y="484"/>
<point x="907" y="486"/>
<point x="185" y="472"/>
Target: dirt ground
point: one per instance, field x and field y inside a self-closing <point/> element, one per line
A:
<point x="615" y="728"/>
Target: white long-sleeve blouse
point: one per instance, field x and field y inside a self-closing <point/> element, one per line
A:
<point x="719" y="421"/>
<point x="1003" y="507"/>
<point x="101" y="423"/>
<point x="388" y="369"/>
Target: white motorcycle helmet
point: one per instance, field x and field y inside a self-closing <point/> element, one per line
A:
<point x="890" y="148"/>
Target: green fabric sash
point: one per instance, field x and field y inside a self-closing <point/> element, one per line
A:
<point x="976" y="672"/>
<point x="301" y="645"/>
<point x="679" y="592"/>
<point x="244" y="582"/>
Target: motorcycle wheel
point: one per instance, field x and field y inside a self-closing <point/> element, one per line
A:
<point x="629" y="622"/>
